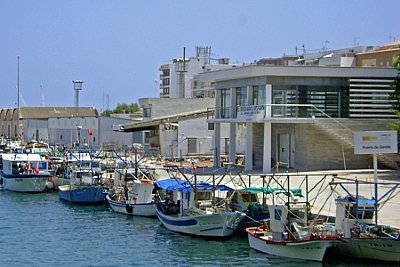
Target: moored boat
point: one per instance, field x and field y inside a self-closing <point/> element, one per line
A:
<point x="131" y="195"/>
<point x="24" y="172"/>
<point x="84" y="181"/>
<point x="247" y="201"/>
<point x="289" y="233"/>
<point x="185" y="211"/>
<point x="356" y="217"/>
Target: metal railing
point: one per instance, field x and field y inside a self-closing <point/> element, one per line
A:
<point x="267" y="111"/>
<point x="271" y="112"/>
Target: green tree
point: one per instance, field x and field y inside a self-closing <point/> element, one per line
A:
<point x="395" y="95"/>
<point x="106" y="113"/>
<point x="121" y="108"/>
<point x="125" y="108"/>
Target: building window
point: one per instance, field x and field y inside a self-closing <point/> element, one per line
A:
<point x="147" y="112"/>
<point x="165" y="72"/>
<point x="241" y="96"/>
<point x="225" y="103"/>
<point x="210" y="126"/>
<point x="259" y="97"/>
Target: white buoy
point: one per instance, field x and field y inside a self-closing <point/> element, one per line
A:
<point x="49" y="184"/>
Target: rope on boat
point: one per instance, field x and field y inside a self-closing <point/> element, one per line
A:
<point x="256" y="221"/>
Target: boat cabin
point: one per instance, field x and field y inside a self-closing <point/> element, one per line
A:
<point x="15" y="164"/>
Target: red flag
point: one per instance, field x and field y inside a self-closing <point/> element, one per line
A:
<point x="90" y="132"/>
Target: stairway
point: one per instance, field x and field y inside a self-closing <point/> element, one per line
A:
<point x="342" y="130"/>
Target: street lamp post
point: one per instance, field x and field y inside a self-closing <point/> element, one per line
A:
<point x="78" y="129"/>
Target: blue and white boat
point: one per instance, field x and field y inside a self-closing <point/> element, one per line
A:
<point x="84" y="181"/>
<point x="24" y="172"/>
<point x="191" y="209"/>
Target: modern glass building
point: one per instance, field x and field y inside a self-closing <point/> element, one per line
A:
<point x="299" y="117"/>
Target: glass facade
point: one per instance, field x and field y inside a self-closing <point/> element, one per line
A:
<point x="303" y="101"/>
<point x="326" y="100"/>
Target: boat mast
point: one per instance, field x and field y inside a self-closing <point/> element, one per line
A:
<point x="18" y="108"/>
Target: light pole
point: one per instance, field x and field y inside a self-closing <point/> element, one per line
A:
<point x="78" y="130"/>
<point x="200" y="143"/>
<point x="77" y="88"/>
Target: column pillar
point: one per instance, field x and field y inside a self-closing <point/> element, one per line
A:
<point x="232" y="142"/>
<point x="248" y="159"/>
<point x="217" y="145"/>
<point x="267" y="155"/>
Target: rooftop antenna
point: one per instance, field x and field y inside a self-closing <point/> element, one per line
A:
<point x="77" y="88"/>
<point x="355" y="43"/>
<point x="42" y="95"/>
<point x="108" y="101"/>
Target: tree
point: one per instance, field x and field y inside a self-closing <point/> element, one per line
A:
<point x="121" y="108"/>
<point x="125" y="108"/>
<point x="395" y="95"/>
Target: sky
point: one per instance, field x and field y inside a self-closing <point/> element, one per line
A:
<point x="117" y="46"/>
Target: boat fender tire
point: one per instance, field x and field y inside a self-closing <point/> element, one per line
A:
<point x="128" y="208"/>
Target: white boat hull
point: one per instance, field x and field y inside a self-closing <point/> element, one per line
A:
<point x="137" y="209"/>
<point x="382" y="249"/>
<point x="314" y="250"/>
<point x="212" y="225"/>
<point x="26" y="184"/>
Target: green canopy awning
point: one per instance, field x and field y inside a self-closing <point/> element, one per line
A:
<point x="268" y="190"/>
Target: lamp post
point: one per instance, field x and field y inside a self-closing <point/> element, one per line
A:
<point x="77" y="88"/>
<point x="200" y="143"/>
<point x="78" y="130"/>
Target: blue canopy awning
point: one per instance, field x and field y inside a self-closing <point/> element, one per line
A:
<point x="184" y="186"/>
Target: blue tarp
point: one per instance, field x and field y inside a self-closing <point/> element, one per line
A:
<point x="184" y="186"/>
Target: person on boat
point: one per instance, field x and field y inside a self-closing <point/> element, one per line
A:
<point x="125" y="192"/>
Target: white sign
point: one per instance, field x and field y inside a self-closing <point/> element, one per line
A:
<point x="251" y="113"/>
<point x="375" y="142"/>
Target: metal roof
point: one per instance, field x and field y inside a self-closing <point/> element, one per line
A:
<point x="150" y="124"/>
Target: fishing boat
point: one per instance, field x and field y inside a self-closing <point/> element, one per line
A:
<point x="85" y="185"/>
<point x="192" y="209"/>
<point x="24" y="172"/>
<point x="247" y="200"/>
<point x="131" y="195"/>
<point x="357" y="218"/>
<point x="288" y="232"/>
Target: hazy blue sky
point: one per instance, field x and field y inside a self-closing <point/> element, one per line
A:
<point x="117" y="46"/>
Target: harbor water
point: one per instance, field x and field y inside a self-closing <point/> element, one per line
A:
<point x="40" y="230"/>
